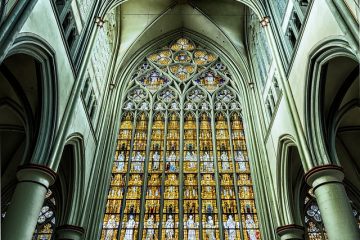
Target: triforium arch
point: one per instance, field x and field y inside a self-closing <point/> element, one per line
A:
<point x="181" y="159"/>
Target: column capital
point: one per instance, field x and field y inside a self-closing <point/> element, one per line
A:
<point x="291" y="231"/>
<point x="36" y="173"/>
<point x="324" y="174"/>
<point x="68" y="231"/>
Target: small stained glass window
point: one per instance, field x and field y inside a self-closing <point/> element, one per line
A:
<point x="314" y="226"/>
<point x="46" y="220"/>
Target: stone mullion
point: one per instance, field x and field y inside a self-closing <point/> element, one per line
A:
<point x="145" y="172"/>
<point x="127" y="175"/>
<point x="163" y="176"/>
<point x="234" y="176"/>
<point x="217" y="185"/>
<point x="181" y="176"/>
<point x="198" y="173"/>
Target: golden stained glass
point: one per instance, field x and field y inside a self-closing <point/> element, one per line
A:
<point x="162" y="57"/>
<point x="183" y="61"/>
<point x="183" y="44"/>
<point x="182" y="71"/>
<point x="170" y="219"/>
<point x="202" y="57"/>
<point x="182" y="57"/>
<point x="230" y="213"/>
<point x="190" y="144"/>
<point x="153" y="192"/>
<point x="131" y="217"/>
<point x="210" y="80"/>
<point x="197" y="183"/>
<point x="248" y="212"/>
<point x="190" y="202"/>
<point x="118" y="178"/>
<point x="153" y="81"/>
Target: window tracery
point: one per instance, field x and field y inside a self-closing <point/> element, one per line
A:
<point x="189" y="174"/>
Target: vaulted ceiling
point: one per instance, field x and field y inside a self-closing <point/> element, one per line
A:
<point x="141" y="21"/>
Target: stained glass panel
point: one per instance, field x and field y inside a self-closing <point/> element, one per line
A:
<point x="118" y="179"/>
<point x="182" y="71"/>
<point x="248" y="211"/>
<point x="188" y="177"/>
<point x="46" y="221"/>
<point x="315" y="229"/>
<point x="153" y="81"/>
<point x="183" y="61"/>
<point x="182" y="44"/>
<point x="203" y="57"/>
<point x="162" y="57"/>
<point x="131" y="217"/>
<point x="210" y="80"/>
<point x="230" y="213"/>
<point x="191" y="199"/>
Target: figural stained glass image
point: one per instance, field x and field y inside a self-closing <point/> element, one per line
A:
<point x="188" y="174"/>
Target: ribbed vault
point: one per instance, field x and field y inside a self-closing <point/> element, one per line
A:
<point x="142" y="21"/>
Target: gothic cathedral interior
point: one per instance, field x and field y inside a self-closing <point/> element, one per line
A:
<point x="180" y="119"/>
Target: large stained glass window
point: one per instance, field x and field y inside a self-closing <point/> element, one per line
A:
<point x="181" y="168"/>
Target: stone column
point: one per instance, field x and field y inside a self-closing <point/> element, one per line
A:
<point x="290" y="232"/>
<point x="69" y="232"/>
<point x="333" y="202"/>
<point x="23" y="212"/>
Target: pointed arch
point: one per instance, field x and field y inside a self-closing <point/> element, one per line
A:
<point x="290" y="174"/>
<point x="36" y="47"/>
<point x="77" y="184"/>
<point x="194" y="140"/>
<point x="320" y="55"/>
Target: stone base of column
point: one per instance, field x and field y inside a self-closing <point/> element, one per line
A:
<point x="69" y="232"/>
<point x="290" y="232"/>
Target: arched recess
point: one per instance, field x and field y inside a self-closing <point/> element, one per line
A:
<point x="333" y="109"/>
<point x="28" y="103"/>
<point x="62" y="205"/>
<point x="290" y="179"/>
<point x="70" y="183"/>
